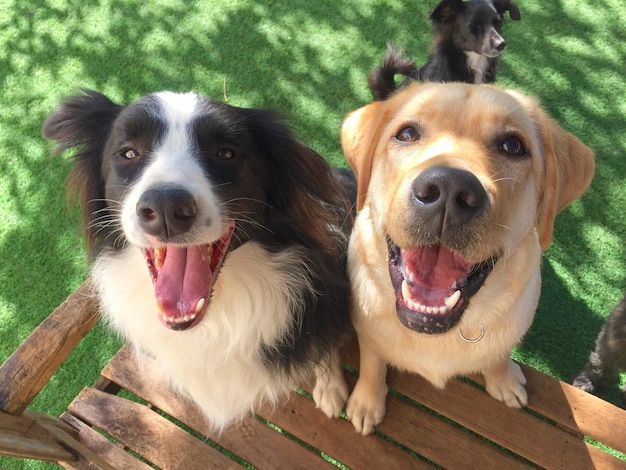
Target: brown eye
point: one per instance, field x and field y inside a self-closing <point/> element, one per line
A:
<point x="513" y="146"/>
<point x="408" y="134"/>
<point x="225" y="154"/>
<point x="130" y="154"/>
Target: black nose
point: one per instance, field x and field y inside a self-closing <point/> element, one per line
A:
<point x="448" y="197"/>
<point x="166" y="212"/>
<point x="500" y="46"/>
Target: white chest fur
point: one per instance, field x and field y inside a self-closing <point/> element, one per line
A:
<point x="478" y="64"/>
<point x="218" y="363"/>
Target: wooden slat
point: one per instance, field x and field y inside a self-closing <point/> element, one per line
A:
<point x="298" y="417"/>
<point x="116" y="456"/>
<point x="22" y="447"/>
<point x="249" y="439"/>
<point x="22" y="426"/>
<point x="37" y="436"/>
<point x="78" y="448"/>
<point x="510" y="428"/>
<point x="579" y="412"/>
<point x="145" y="432"/>
<point x="337" y="438"/>
<point x="23" y="436"/>
<point x="29" y="436"/>
<point x="438" y="440"/>
<point x="24" y="374"/>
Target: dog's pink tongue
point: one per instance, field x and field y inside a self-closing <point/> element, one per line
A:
<point x="434" y="267"/>
<point x="184" y="279"/>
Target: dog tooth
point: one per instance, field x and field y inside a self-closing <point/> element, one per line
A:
<point x="453" y="299"/>
<point x="199" y="306"/>
<point x="159" y="256"/>
<point x="406" y="291"/>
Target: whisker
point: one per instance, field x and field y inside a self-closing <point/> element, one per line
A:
<point x="247" y="199"/>
<point x="505" y="179"/>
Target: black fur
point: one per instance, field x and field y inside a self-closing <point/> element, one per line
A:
<point x="459" y="28"/>
<point x="609" y="357"/>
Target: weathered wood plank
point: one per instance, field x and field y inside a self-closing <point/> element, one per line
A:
<point x="439" y="441"/>
<point x="77" y="447"/>
<point x="145" y="432"/>
<point x="249" y="439"/>
<point x="22" y="447"/>
<point x="24" y="436"/>
<point x="337" y="438"/>
<point x="115" y="455"/>
<point x="511" y="428"/>
<point x="27" y="370"/>
<point x="578" y="412"/>
<point x="43" y="437"/>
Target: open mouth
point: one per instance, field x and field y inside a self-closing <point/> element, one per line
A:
<point x="183" y="278"/>
<point x="433" y="285"/>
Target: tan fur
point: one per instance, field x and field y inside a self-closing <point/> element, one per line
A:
<point x="461" y="126"/>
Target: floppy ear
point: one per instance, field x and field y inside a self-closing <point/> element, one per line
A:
<point x="83" y="122"/>
<point x="445" y="10"/>
<point x="568" y="170"/>
<point x="503" y="6"/>
<point x="360" y="134"/>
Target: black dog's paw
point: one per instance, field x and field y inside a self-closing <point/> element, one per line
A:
<point x="584" y="382"/>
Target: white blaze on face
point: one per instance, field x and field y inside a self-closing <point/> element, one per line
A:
<point x="174" y="162"/>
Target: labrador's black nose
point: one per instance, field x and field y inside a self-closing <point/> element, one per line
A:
<point x="449" y="197"/>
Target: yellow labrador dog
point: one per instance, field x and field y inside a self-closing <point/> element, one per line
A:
<point x="458" y="189"/>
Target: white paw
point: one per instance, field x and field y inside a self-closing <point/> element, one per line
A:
<point x="509" y="387"/>
<point x="366" y="408"/>
<point x="330" y="396"/>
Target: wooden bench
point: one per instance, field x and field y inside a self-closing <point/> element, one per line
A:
<point x="130" y="419"/>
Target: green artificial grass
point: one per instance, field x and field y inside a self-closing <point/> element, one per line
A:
<point x="310" y="60"/>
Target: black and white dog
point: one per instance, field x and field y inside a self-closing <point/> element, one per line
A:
<point x="218" y="244"/>
<point x="465" y="48"/>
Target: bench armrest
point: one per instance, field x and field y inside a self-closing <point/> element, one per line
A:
<point x="26" y="371"/>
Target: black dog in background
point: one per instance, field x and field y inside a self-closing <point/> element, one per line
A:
<point x="465" y="47"/>
<point x="609" y="358"/>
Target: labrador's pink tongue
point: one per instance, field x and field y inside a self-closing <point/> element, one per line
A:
<point x="183" y="280"/>
<point x="435" y="267"/>
<point x="431" y="274"/>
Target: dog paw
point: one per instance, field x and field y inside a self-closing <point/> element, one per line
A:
<point x="508" y="386"/>
<point x="365" y="409"/>
<point x="583" y="382"/>
<point x="331" y="396"/>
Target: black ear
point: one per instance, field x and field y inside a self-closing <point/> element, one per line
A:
<point x="84" y="121"/>
<point x="445" y="10"/>
<point x="503" y="6"/>
<point x="80" y="119"/>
